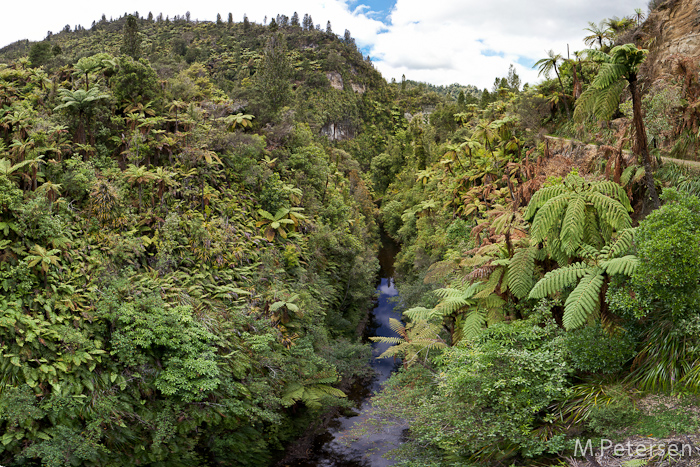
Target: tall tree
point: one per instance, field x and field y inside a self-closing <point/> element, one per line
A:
<point x="272" y="77"/>
<point x="131" y="43"/>
<point x="599" y="33"/>
<point x="618" y="70"/>
<point x="548" y="64"/>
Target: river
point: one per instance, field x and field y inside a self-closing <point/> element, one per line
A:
<point x="340" y="445"/>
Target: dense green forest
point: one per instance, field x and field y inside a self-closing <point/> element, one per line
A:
<point x="190" y="214"/>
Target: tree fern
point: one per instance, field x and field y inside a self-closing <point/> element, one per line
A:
<point x="548" y="216"/>
<point x="573" y="225"/>
<point x="558" y="279"/>
<point x="520" y="270"/>
<point x="583" y="301"/>
<point x="416" y="339"/>
<point x="577" y="212"/>
<point x="625" y="265"/>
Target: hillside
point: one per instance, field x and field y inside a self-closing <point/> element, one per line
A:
<point x="190" y="214"/>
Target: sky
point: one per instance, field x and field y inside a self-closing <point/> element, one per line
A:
<point x="438" y="41"/>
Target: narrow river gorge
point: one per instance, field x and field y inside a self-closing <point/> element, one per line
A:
<point x="343" y="444"/>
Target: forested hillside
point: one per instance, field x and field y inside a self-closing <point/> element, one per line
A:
<point x="190" y="214"/>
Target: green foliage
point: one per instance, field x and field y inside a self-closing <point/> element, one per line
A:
<point x="577" y="212"/>
<point x="602" y="97"/>
<point x="593" y="349"/>
<point x="492" y="395"/>
<point x="668" y="247"/>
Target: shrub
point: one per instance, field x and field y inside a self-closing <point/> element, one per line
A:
<point x="593" y="350"/>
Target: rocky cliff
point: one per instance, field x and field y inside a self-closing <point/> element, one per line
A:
<point x="672" y="29"/>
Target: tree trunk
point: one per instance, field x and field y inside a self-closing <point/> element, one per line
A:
<point x="563" y="93"/>
<point x="641" y="147"/>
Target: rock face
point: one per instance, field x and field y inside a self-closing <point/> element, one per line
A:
<point x="335" y="79"/>
<point x="337" y="131"/>
<point x="674" y="28"/>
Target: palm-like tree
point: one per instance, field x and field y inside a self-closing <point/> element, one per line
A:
<point x="546" y="65"/>
<point x="80" y="101"/>
<point x="52" y="190"/>
<point x="239" y="119"/>
<point x="39" y="256"/>
<point x="138" y="176"/>
<point x="618" y="70"/>
<point x="599" y="33"/>
<point x="176" y="106"/>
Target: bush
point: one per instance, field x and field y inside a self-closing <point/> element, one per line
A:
<point x="593" y="350"/>
<point x="493" y="396"/>
<point x="668" y="247"/>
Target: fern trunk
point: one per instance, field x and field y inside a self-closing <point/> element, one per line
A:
<point x="641" y="146"/>
<point x="563" y="93"/>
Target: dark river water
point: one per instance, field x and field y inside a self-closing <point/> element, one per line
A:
<point x="341" y="446"/>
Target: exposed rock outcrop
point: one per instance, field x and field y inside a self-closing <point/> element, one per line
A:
<point x="673" y="28"/>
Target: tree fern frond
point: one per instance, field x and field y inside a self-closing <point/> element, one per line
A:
<point x="573" y="225"/>
<point x="520" y="272"/>
<point x="540" y="197"/>
<point x="619" y="244"/>
<point x="492" y="302"/>
<point x="398" y="327"/>
<point x="547" y="216"/>
<point x="592" y="234"/>
<point x="625" y="265"/>
<point x="608" y="100"/>
<point x="614" y="191"/>
<point x="556" y="280"/>
<point x="583" y="300"/>
<point x="611" y="210"/>
<point x="627" y="175"/>
<point x="387" y="340"/>
<point x="597" y="55"/>
<point x="587" y="251"/>
<point x="608" y="75"/>
<point x="418" y="313"/>
<point x="585" y="104"/>
<point x="471" y="324"/>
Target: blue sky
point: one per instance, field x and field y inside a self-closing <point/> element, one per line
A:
<point x="440" y="42"/>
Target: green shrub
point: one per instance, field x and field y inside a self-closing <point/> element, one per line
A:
<point x="593" y="350"/>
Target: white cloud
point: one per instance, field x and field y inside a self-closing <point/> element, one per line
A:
<point x="442" y="42"/>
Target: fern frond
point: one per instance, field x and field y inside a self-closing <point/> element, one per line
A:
<point x="619" y="245"/>
<point x="548" y="216"/>
<point x="572" y="227"/>
<point x="556" y="280"/>
<point x="520" y="272"/>
<point x="540" y="197"/>
<point x="625" y="265"/>
<point x="627" y="175"/>
<point x="583" y="300"/>
<point x="591" y="233"/>
<point x="585" y="104"/>
<point x="608" y="100"/>
<point x="387" y="340"/>
<point x="418" y="313"/>
<point x="608" y="75"/>
<point x="611" y="210"/>
<point x="614" y="191"/>
<point x="493" y="302"/>
<point x="587" y="251"/>
<point x="398" y="327"/>
<point x="471" y="324"/>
